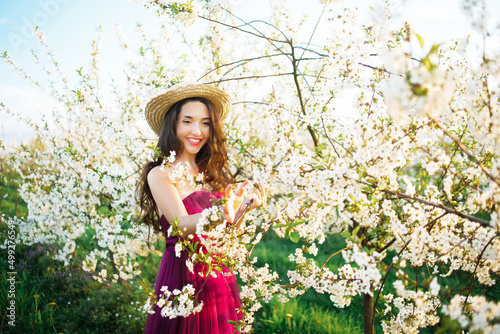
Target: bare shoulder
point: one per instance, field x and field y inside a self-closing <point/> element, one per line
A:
<point x="158" y="176"/>
<point x="165" y="194"/>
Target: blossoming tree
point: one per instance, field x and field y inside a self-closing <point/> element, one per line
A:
<point x="410" y="180"/>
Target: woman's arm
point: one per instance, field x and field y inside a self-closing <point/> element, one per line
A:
<point x="170" y="203"/>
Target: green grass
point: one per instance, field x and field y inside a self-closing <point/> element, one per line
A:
<point x="11" y="203"/>
<point x="298" y="316"/>
<point x="52" y="298"/>
<point x="311" y="312"/>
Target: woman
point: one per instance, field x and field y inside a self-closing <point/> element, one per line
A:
<point x="188" y="119"/>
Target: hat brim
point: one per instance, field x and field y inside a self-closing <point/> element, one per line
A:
<point x="157" y="108"/>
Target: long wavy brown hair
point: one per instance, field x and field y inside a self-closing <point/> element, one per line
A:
<point x="211" y="159"/>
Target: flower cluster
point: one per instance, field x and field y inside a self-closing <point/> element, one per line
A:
<point x="474" y="313"/>
<point x="176" y="303"/>
<point x="416" y="309"/>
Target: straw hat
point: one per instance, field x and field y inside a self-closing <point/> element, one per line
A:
<point x="158" y="106"/>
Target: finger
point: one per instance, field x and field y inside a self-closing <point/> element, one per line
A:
<point x="259" y="192"/>
<point x="256" y="195"/>
<point x="262" y="193"/>
<point x="241" y="188"/>
<point x="228" y="190"/>
<point x="262" y="189"/>
<point x="255" y="202"/>
<point x="226" y="216"/>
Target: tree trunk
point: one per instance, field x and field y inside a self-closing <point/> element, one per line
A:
<point x="368" y="314"/>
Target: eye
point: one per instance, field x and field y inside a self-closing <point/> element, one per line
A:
<point x="206" y="123"/>
<point x="186" y="121"/>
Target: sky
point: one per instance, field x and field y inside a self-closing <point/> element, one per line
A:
<point x="71" y="25"/>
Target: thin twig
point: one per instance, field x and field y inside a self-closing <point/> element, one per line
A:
<point x="482" y="222"/>
<point x="322" y="55"/>
<point x="465" y="150"/>
<point x="249" y="77"/>
<point x="475" y="269"/>
<point x="243" y="30"/>
<point x="299" y="93"/>
<point x="314" y="30"/>
<point x="246" y="60"/>
<point x="324" y="264"/>
<point x="384" y="279"/>
<point x="327" y="137"/>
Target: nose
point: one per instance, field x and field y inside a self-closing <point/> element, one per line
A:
<point x="195" y="130"/>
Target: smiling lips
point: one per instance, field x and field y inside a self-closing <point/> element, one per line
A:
<point x="194" y="141"/>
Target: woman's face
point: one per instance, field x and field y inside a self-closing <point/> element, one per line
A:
<point x="193" y="126"/>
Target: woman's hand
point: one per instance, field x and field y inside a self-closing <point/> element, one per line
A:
<point x="257" y="198"/>
<point x="253" y="200"/>
<point x="236" y="204"/>
<point x="233" y="202"/>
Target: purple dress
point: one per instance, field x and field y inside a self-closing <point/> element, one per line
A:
<point x="220" y="294"/>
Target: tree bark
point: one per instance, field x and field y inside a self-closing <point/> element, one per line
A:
<point x="368" y="314"/>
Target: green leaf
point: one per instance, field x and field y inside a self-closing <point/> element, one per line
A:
<point x="420" y="40"/>
<point x="345" y="235"/>
<point x="298" y="222"/>
<point x="294" y="237"/>
<point x="420" y="90"/>
<point x="434" y="48"/>
<point x="355" y="231"/>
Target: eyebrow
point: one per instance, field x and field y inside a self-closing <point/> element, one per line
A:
<point x="187" y="116"/>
